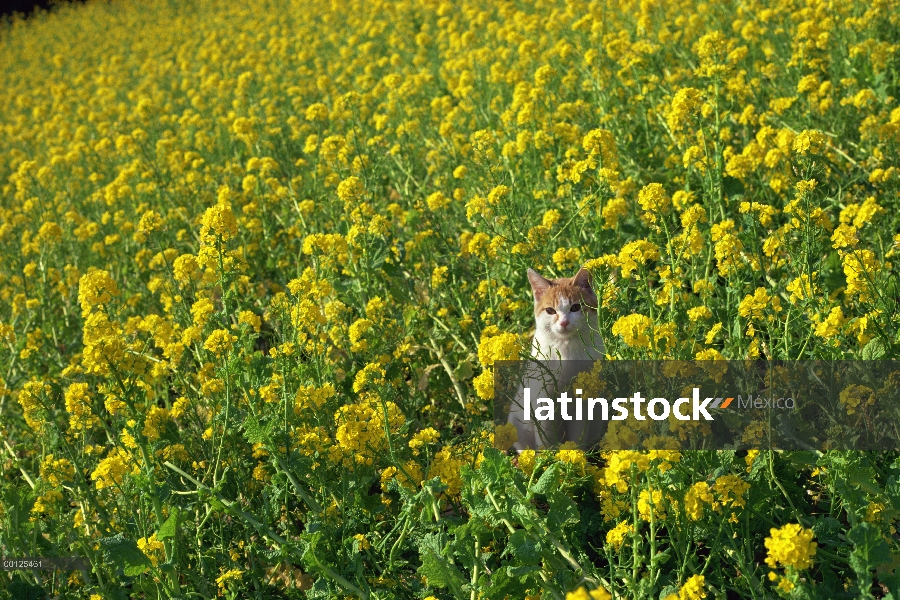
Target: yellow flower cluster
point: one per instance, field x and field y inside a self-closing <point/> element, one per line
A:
<point x="112" y="469"/>
<point x="361" y="430"/>
<point x="790" y="546"/>
<point x="309" y="222"/>
<point x="693" y="589"/>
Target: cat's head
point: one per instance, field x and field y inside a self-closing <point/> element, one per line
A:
<point x="564" y="307"/>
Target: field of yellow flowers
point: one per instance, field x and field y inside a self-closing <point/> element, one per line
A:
<point x="257" y="260"/>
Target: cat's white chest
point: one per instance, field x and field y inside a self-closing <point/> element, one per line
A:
<point x="575" y="348"/>
<point x="558" y="361"/>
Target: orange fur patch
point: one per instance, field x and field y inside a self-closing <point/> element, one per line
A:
<point x="566" y="288"/>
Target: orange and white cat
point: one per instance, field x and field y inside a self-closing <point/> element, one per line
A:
<point x="566" y="341"/>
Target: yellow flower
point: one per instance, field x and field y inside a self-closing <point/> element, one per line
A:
<point x="692" y="215"/>
<point x="699" y="312"/>
<point x="650" y="504"/>
<point x="186" y="268"/>
<point x="446" y="465"/>
<point x="551" y="217"/>
<point x="156" y="418"/>
<point x="636" y="253"/>
<point x="95" y="289"/>
<point x="370" y="374"/>
<point x="429" y="435"/>
<point x="860" y="267"/>
<point x="55" y="471"/>
<point x="232" y="575"/>
<point x="684" y="102"/>
<point x="693" y="589"/>
<point x="709" y="354"/>
<point x="316" y="112"/>
<point x="565" y="258"/>
<point x="790" y="546"/>
<point x="844" y="236"/>
<point x="616" y="536"/>
<point x="731" y="490"/>
<point x="112" y="469"/>
<point x="753" y="306"/>
<point x="437" y="201"/>
<point x="219" y="342"/>
<point x="484" y="384"/>
<point x="250" y="318"/>
<point x="595" y="594"/>
<point x="505" y="436"/>
<point x="152" y="548"/>
<point x="438" y="276"/>
<point x="694" y="500"/>
<point x="78" y="406"/>
<point x="31" y="398"/>
<point x="310" y="397"/>
<point x="831" y="325"/>
<point x="150" y="221"/>
<point x="219" y="220"/>
<point x="201" y="311"/>
<point x="803" y="288"/>
<point x="350" y="190"/>
<point x="853" y="396"/>
<point x="653" y="200"/>
<point x="496" y="345"/>
<point x="750" y="458"/>
<point x="809" y="142"/>
<point x="49" y="232"/>
<point x="573" y="457"/>
<point x="613" y="211"/>
<point x="633" y="330"/>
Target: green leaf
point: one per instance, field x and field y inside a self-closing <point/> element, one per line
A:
<point x="527" y="550"/>
<point x="548" y="481"/>
<point x="23" y="590"/>
<point x="169" y="527"/>
<point x="874" y="350"/>
<point x="803" y="458"/>
<point x="865" y="483"/>
<point x="254" y="431"/>
<point x="827" y="530"/>
<point x="732" y="186"/>
<point x="412" y="217"/>
<point x="464" y="371"/>
<point x="889" y="575"/>
<point x="870" y="552"/>
<point x="409" y="314"/>
<point x="502" y="585"/>
<point x="124" y="554"/>
<point x="521" y="570"/>
<point x="495" y="468"/>
<point x="562" y="511"/>
<point x="439" y="571"/>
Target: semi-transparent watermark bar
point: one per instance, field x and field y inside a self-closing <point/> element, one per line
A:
<point x="660" y="405"/>
<point x="45" y="563"/>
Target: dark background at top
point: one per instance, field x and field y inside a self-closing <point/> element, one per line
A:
<point x="8" y="7"/>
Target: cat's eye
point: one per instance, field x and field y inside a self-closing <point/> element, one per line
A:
<point x="575" y="308"/>
<point x="550" y="311"/>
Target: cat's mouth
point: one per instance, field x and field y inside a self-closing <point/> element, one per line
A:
<point x="564" y="331"/>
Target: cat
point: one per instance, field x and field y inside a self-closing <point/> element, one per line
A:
<point x="566" y="341"/>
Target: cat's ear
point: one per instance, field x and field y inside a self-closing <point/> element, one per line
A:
<point x="583" y="279"/>
<point x="539" y="284"/>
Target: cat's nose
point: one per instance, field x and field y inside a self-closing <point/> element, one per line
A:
<point x="563" y="323"/>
